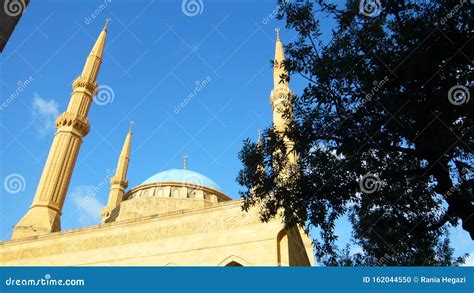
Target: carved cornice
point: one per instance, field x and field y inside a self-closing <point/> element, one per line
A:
<point x="176" y="184"/>
<point x="119" y="181"/>
<point x="70" y="120"/>
<point x="280" y="94"/>
<point x="82" y="82"/>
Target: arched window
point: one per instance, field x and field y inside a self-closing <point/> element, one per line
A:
<point x="234" y="261"/>
<point x="283" y="251"/>
<point x="233" y="264"/>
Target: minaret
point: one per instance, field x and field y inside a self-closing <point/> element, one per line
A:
<point x="281" y="94"/>
<point x="44" y="214"/>
<point x="119" y="182"/>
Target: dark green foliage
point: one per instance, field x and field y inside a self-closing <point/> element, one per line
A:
<point x="376" y="104"/>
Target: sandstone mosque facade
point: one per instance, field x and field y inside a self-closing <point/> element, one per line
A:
<point x="176" y="217"/>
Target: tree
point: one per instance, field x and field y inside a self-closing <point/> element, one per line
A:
<point x="383" y="130"/>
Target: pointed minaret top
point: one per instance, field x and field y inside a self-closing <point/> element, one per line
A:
<point x="106" y="24"/>
<point x="119" y="182"/>
<point x="278" y="67"/>
<point x="132" y="123"/>
<point x="92" y="66"/>
<point x="122" y="165"/>
<point x="279" y="53"/>
<point x="185" y="158"/>
<point x="99" y="45"/>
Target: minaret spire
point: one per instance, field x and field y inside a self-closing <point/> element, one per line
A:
<point x="280" y="73"/>
<point x="119" y="182"/>
<point x="91" y="68"/>
<point x="280" y="97"/>
<point x="44" y="214"/>
<point x="106" y="24"/>
<point x="281" y="92"/>
<point x="185" y="158"/>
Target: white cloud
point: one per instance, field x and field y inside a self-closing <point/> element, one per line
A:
<point x="44" y="113"/>
<point x="88" y="207"/>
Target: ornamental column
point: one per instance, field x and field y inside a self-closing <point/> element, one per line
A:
<point x="280" y="96"/>
<point x="119" y="182"/>
<point x="44" y="214"/>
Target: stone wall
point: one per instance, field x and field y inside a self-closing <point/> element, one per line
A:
<point x="208" y="236"/>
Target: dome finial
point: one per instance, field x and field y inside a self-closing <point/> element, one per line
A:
<point x="185" y="158"/>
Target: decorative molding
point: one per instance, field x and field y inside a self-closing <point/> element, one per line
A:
<point x="67" y="119"/>
<point x="138" y="188"/>
<point x="82" y="82"/>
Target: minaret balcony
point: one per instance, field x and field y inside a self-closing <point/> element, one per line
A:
<point x="76" y="124"/>
<point x="89" y="85"/>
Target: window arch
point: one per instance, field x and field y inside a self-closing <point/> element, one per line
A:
<point x="234" y="261"/>
<point x="233" y="264"/>
<point x="283" y="249"/>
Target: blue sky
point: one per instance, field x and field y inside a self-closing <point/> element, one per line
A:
<point x="156" y="55"/>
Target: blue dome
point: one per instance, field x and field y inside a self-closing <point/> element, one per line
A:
<point x="183" y="176"/>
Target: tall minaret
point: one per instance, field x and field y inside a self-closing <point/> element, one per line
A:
<point x="281" y="93"/>
<point x="119" y="182"/>
<point x="44" y="214"/>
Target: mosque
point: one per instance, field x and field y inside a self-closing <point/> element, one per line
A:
<point x="176" y="217"/>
